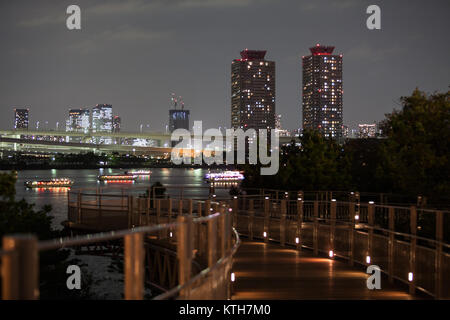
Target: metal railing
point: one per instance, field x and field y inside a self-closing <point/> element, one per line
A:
<point x="219" y="242"/>
<point x="363" y="233"/>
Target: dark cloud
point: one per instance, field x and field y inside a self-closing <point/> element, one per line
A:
<point x="134" y="54"/>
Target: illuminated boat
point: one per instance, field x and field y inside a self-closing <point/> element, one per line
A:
<point x="118" y="178"/>
<point x="226" y="176"/>
<point x="139" y="172"/>
<point x="52" y="183"/>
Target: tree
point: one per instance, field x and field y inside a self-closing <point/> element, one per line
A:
<point x="21" y="217"/>
<point x="318" y="164"/>
<point x="415" y="155"/>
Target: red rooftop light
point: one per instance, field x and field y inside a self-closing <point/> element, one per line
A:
<point x="319" y="50"/>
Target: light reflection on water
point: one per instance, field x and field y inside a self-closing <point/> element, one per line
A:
<point x="191" y="179"/>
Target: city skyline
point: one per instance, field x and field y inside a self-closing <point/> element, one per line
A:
<point x="45" y="67"/>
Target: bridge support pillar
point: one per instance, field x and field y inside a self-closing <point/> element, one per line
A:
<point x="20" y="269"/>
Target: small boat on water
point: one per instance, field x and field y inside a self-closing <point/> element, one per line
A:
<point x="118" y="178"/>
<point x="52" y="183"/>
<point x="226" y="176"/>
<point x="139" y="172"/>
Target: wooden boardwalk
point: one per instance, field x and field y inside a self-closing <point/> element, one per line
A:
<point x="268" y="271"/>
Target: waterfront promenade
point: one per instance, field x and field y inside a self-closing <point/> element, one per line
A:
<point x="274" y="245"/>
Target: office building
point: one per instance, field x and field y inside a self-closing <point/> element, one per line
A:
<point x="367" y="131"/>
<point x="78" y="120"/>
<point x="102" y="118"/>
<point x="21" y="118"/>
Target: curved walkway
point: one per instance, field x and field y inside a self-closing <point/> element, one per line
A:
<point x="269" y="271"/>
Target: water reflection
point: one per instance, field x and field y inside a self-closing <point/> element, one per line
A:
<point x="171" y="178"/>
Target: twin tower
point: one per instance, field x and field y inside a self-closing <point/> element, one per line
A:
<point x="253" y="91"/>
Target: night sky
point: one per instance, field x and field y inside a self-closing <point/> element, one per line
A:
<point x="134" y="54"/>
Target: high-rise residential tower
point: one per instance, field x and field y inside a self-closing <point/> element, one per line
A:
<point x="253" y="91"/>
<point x="322" y="91"/>
<point x="21" y="118"/>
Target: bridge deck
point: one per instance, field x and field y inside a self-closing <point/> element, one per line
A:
<point x="268" y="271"/>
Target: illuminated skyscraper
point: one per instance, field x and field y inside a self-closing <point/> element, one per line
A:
<point x="322" y="91"/>
<point x="116" y="123"/>
<point x="102" y="118"/>
<point x="21" y="118"/>
<point x="367" y="131"/>
<point x="78" y="120"/>
<point x="178" y="118"/>
<point x="102" y="121"/>
<point x="253" y="91"/>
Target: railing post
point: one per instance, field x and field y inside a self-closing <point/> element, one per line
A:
<point x="158" y="211"/>
<point x="332" y="223"/>
<point x="391" y="245"/>
<point x="223" y="232"/>
<point x="189" y="210"/>
<point x="212" y="242"/>
<point x="134" y="266"/>
<point x="235" y="211"/>
<point x="266" y="218"/>
<point x="438" y="277"/>
<point x="99" y="212"/>
<point x="147" y="210"/>
<point x="351" y="231"/>
<point x="79" y="206"/>
<point x="412" y="248"/>
<point x="20" y="269"/>
<point x="299" y="223"/>
<point x="169" y="210"/>
<point x="207" y="207"/>
<point x="199" y="209"/>
<point x="184" y="252"/>
<point x="139" y="211"/>
<point x="371" y="220"/>
<point x="283" y="223"/>
<point x="180" y="207"/>
<point x="251" y="214"/>
<point x="316" y="228"/>
<point x="130" y="211"/>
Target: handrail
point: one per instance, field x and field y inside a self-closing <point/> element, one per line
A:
<point x="27" y="248"/>
<point x="202" y="274"/>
